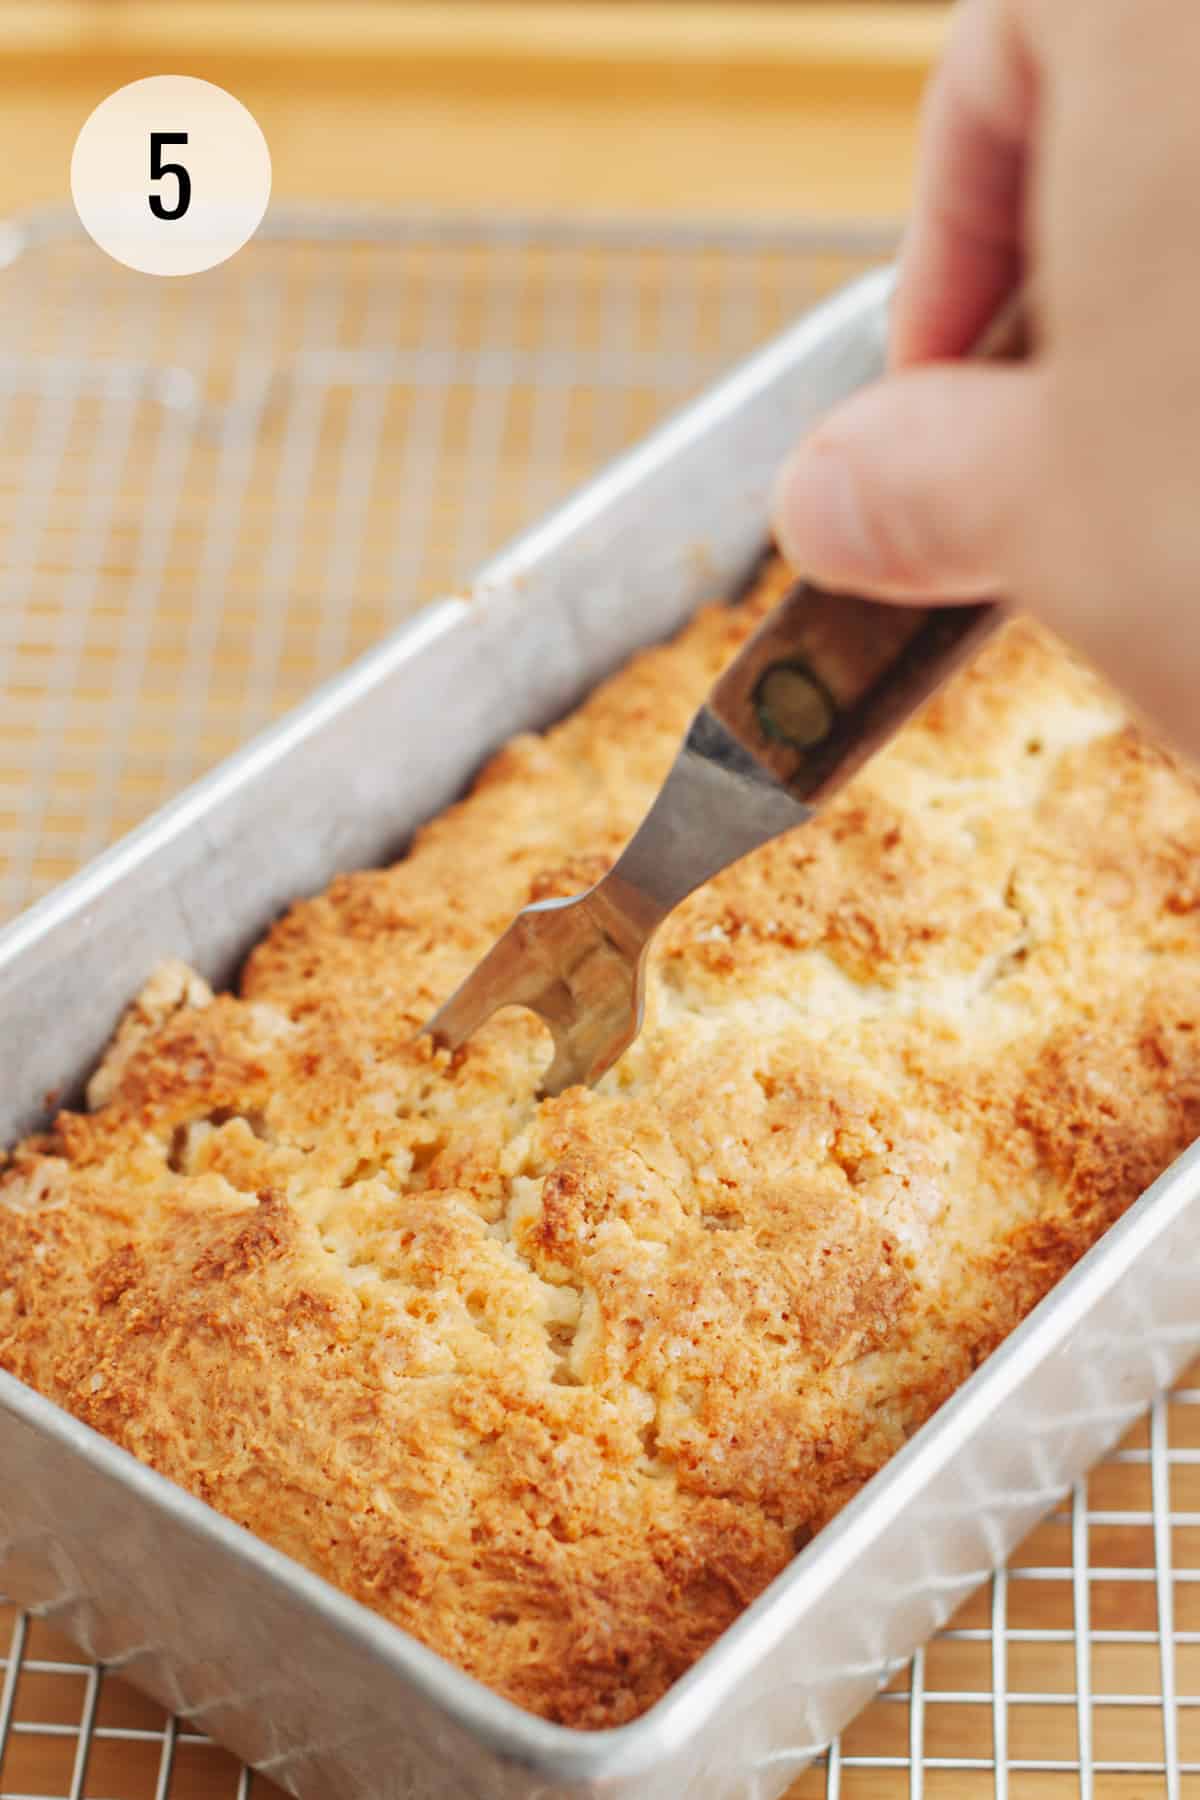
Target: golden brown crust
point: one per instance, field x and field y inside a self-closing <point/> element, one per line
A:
<point x="559" y="1387"/>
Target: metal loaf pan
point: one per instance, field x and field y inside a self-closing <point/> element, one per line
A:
<point x="325" y="1696"/>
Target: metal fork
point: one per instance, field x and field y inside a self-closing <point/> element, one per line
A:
<point x="823" y="683"/>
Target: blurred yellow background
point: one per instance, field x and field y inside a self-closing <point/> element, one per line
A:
<point x="695" y="106"/>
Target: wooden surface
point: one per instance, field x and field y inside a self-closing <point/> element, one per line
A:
<point x="761" y="110"/>
<point x="726" y="108"/>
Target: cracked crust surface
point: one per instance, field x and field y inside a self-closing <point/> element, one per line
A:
<point x="559" y="1387"/>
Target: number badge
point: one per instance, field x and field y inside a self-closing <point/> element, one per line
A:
<point x="171" y="175"/>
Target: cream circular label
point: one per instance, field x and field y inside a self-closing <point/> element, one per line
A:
<point x="171" y="175"/>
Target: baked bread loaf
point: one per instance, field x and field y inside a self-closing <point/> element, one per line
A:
<point x="560" y="1386"/>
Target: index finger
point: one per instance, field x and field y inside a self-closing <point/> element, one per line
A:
<point x="964" y="249"/>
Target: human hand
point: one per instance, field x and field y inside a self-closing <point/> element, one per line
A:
<point x="1061" y="145"/>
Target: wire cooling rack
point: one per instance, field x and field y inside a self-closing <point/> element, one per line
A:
<point x="213" y="493"/>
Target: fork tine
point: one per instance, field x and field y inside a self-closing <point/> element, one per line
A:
<point x="514" y="972"/>
<point x="475" y="1000"/>
<point x="546" y="961"/>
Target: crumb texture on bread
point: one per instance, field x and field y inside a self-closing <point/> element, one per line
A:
<point x="560" y="1386"/>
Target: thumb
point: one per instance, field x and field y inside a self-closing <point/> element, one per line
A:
<point x="916" y="488"/>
